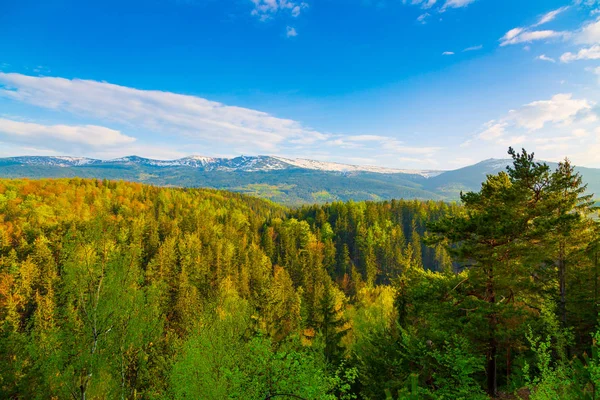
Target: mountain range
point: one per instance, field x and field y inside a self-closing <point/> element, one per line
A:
<point x="283" y="180"/>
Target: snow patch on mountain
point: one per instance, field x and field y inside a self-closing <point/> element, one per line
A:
<point x="242" y="163"/>
<point x="75" y="160"/>
<point x="329" y="166"/>
<point x="496" y="164"/>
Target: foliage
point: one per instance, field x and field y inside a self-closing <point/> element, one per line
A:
<point x="122" y="290"/>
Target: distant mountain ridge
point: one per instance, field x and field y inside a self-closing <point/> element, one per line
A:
<point x="287" y="181"/>
<point x="241" y="163"/>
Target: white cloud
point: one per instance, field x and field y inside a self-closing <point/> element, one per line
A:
<point x="463" y="161"/>
<point x="561" y="143"/>
<point x="290" y="32"/>
<point x="548" y="17"/>
<point x="513" y="33"/>
<point x="591" y="53"/>
<point x="554" y="128"/>
<point x="267" y="9"/>
<point x="528" y="35"/>
<point x="560" y="110"/>
<point x="425" y="4"/>
<point x="435" y="5"/>
<point x="422" y="18"/>
<point x="183" y="123"/>
<point x="367" y="138"/>
<point x="168" y="114"/>
<point x="494" y="130"/>
<point x="53" y="136"/>
<point x="474" y="48"/>
<point x="595" y="71"/>
<point x="448" y="53"/>
<point x="429" y="3"/>
<point x="157" y="152"/>
<point x="521" y="35"/>
<point x="382" y="142"/>
<point x="580" y="132"/>
<point x="456" y="4"/>
<point x="511" y="140"/>
<point x="589" y="34"/>
<point x="544" y="57"/>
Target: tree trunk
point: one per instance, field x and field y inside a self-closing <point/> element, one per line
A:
<point x="596" y="283"/>
<point x="492" y="368"/>
<point x="562" y="279"/>
<point x="508" y="363"/>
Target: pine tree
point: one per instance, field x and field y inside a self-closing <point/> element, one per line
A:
<point x="567" y="224"/>
<point x="492" y="240"/>
<point x="332" y="324"/>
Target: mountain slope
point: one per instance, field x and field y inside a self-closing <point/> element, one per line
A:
<point x="287" y="181"/>
<point x="242" y="163"/>
<point x="278" y="179"/>
<point x="450" y="183"/>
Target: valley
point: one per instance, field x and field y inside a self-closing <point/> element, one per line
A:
<point x="285" y="181"/>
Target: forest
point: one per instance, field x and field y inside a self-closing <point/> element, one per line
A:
<point x="117" y="290"/>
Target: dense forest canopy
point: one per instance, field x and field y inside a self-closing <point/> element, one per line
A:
<point x="122" y="290"/>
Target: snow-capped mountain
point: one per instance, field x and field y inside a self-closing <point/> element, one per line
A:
<point x="59" y="161"/>
<point x="284" y="180"/>
<point x="242" y="163"/>
<point x="330" y="166"/>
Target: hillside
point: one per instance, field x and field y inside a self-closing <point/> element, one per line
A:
<point x="124" y="290"/>
<point x="450" y="183"/>
<point x="286" y="181"/>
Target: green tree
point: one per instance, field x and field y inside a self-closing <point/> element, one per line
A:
<point x="492" y="240"/>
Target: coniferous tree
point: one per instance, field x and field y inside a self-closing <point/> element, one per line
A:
<point x="567" y="229"/>
<point x="332" y="324"/>
<point x="120" y="290"/>
<point x="491" y="239"/>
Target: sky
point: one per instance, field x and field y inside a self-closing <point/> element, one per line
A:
<point x="426" y="84"/>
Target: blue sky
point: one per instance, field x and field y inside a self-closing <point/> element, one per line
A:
<point x="396" y="83"/>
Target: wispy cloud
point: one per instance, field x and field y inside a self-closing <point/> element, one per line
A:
<point x="595" y="71"/>
<point x="559" y="126"/>
<point x="561" y="109"/>
<point x="435" y="6"/>
<point x="474" y="48"/>
<point x="529" y="34"/>
<point x="550" y="16"/>
<point x="456" y="4"/>
<point x="424" y="4"/>
<point x="267" y="9"/>
<point x="448" y="53"/>
<point x="589" y="33"/>
<point x="423" y="18"/>
<point x="62" y="136"/>
<point x="522" y="35"/>
<point x="290" y="32"/>
<point x="183" y="123"/>
<point x="493" y="130"/>
<point x="591" y="53"/>
<point x="544" y="57"/>
<point x="388" y="143"/>
<point x="165" y="113"/>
